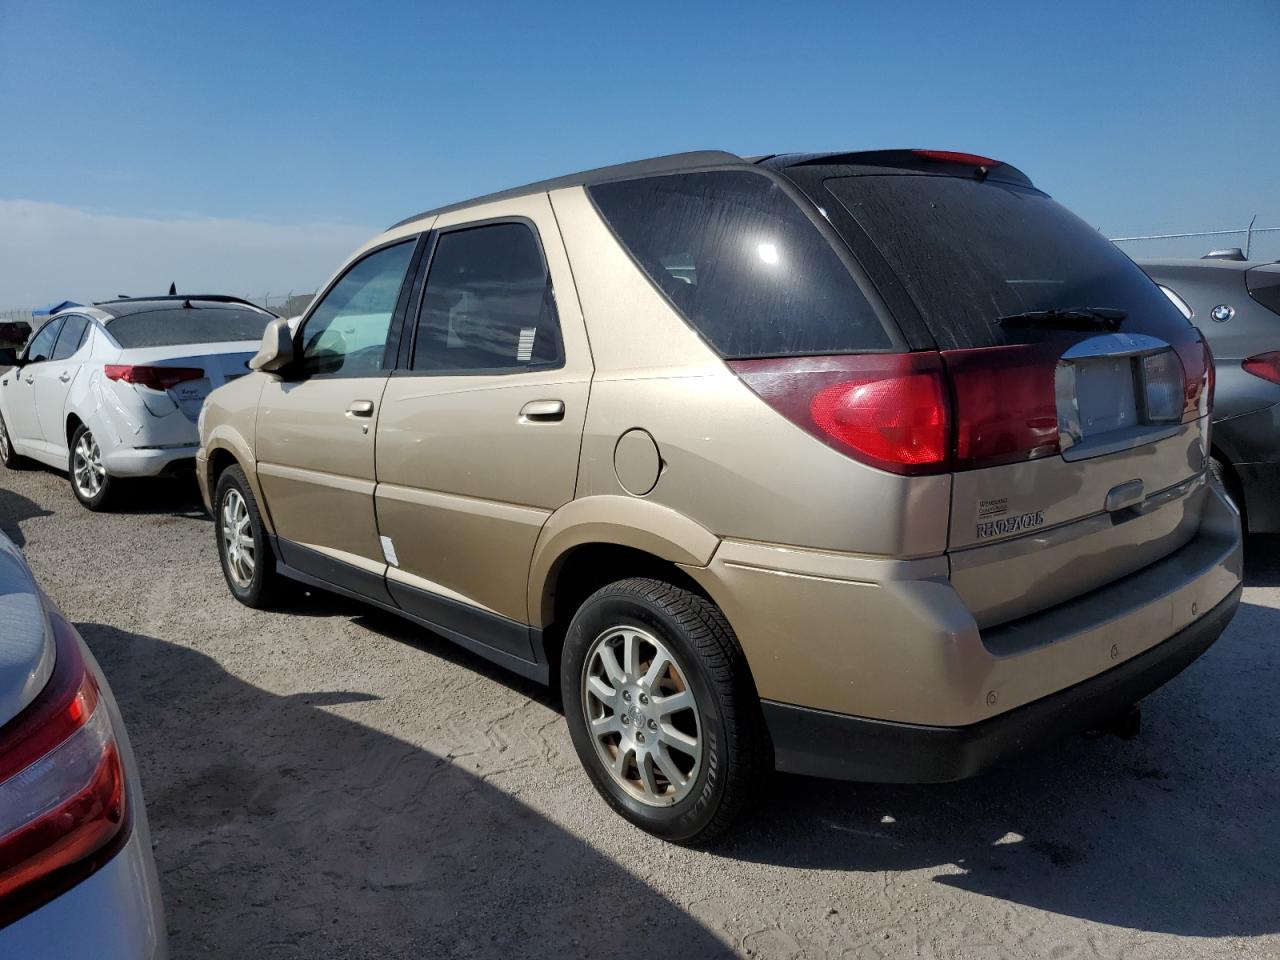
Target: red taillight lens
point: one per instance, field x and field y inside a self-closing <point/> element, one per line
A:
<point x="62" y="789"/>
<point x="1264" y="365"/>
<point x="887" y="410"/>
<point x="1006" y="408"/>
<point x="951" y="156"/>
<point x="157" y="378"/>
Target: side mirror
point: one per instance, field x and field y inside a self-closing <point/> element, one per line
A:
<point x="276" y="351"/>
<point x="8" y="357"/>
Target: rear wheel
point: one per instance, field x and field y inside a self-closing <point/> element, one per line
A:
<point x="8" y="456"/>
<point x="662" y="710"/>
<point x="247" y="561"/>
<point x="89" y="479"/>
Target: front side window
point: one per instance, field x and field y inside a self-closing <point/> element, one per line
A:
<point x="41" y="347"/>
<point x="72" y="335"/>
<point x="742" y="263"/>
<point x="488" y="304"/>
<point x="346" y="334"/>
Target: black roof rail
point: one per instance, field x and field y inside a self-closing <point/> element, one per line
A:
<point x="210" y="297"/>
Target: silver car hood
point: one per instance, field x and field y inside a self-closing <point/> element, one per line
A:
<point x="26" y="641"/>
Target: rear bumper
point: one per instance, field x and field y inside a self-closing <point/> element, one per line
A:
<point x="148" y="462"/>
<point x="1261" y="485"/>
<point x="819" y="743"/>
<point x="1251" y="442"/>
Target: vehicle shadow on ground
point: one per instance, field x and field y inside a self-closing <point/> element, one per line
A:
<point x="296" y="832"/>
<point x="1262" y="560"/>
<point x="1173" y="832"/>
<point x="15" y="510"/>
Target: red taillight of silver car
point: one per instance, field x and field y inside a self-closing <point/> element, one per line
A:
<point x="155" y="378"/>
<point x="63" y="798"/>
<point x="936" y="412"/>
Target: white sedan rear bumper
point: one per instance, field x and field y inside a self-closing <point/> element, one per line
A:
<point x="147" y="461"/>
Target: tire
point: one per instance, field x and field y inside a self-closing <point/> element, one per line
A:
<point x="8" y="456"/>
<point x="252" y="580"/>
<point x="89" y="480"/>
<point x="731" y="759"/>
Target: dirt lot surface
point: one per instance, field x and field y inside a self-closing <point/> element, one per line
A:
<point x="330" y="781"/>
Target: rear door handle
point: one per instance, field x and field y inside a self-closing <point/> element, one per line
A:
<point x="64" y="377"/>
<point x="542" y="411"/>
<point x="30" y="378"/>
<point x="360" y="408"/>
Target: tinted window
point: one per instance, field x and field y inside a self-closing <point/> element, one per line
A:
<point x="742" y="263"/>
<point x="347" y="332"/>
<point x="970" y="251"/>
<point x="488" y="303"/>
<point x="72" y="335"/>
<point x="178" y="326"/>
<point x="41" y="347"/>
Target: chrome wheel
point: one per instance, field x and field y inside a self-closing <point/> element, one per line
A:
<point x="237" y="539"/>
<point x="642" y="715"/>
<point x="87" y="471"/>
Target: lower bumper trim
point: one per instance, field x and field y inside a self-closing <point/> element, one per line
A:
<point x="840" y="747"/>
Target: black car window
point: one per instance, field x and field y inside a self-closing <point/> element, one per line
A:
<point x="742" y="263"/>
<point x="488" y="304"/>
<point x="180" y="326"/>
<point x="346" y="334"/>
<point x="72" y="335"/>
<point x="970" y="251"/>
<point x="41" y="346"/>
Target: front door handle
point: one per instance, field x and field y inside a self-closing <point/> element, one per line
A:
<point x="360" y="408"/>
<point x="64" y="377"/>
<point x="542" y="411"/>
<point x="30" y="378"/>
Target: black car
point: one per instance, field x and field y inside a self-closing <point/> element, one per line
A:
<point x="1236" y="304"/>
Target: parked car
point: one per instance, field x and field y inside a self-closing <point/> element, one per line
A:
<point x="77" y="876"/>
<point x="14" y="333"/>
<point x="113" y="390"/>
<point x="877" y="465"/>
<point x="1236" y="305"/>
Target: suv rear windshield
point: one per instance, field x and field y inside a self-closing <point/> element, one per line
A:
<point x="970" y="251"/>
<point x="176" y="327"/>
<point x="742" y="263"/>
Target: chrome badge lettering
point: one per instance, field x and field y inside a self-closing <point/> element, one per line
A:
<point x="1007" y="525"/>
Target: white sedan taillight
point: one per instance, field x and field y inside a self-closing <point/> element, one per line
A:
<point x="62" y="788"/>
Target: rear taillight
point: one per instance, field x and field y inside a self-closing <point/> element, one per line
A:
<point x="157" y="378"/>
<point x="62" y="789"/>
<point x="1005" y="406"/>
<point x="1264" y="365"/>
<point x="1199" y="374"/>
<point x="952" y="156"/>
<point x="886" y="410"/>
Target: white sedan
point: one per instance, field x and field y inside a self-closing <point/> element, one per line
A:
<point x="114" y="390"/>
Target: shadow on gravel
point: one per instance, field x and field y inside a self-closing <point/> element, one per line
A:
<point x="1174" y="832"/>
<point x="295" y="832"/>
<point x="15" y="509"/>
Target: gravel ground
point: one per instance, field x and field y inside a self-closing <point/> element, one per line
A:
<point x="330" y="781"/>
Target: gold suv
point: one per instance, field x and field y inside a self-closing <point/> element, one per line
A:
<point x="877" y="466"/>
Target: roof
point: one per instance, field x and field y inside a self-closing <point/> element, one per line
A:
<point x="701" y="159"/>
<point x="619" y="171"/>
<point x="130" y="305"/>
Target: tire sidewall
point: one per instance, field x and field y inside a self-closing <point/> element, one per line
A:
<point x="686" y="818"/>
<point x="8" y="455"/>
<point x="232" y="479"/>
<point x="98" y="501"/>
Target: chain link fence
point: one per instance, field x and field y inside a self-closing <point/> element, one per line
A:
<point x="1256" y="243"/>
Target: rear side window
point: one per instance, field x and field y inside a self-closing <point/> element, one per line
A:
<point x="71" y="337"/>
<point x="971" y="251"/>
<point x="742" y="263"/>
<point x="488" y="304"/>
<point x="188" y="325"/>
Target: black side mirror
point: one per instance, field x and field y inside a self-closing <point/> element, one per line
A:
<point x="9" y="357"/>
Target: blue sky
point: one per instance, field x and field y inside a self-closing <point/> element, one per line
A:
<point x="201" y="123"/>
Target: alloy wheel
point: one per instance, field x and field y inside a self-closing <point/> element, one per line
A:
<point x="237" y="539"/>
<point x="4" y="440"/>
<point x="87" y="470"/>
<point x="642" y="715"/>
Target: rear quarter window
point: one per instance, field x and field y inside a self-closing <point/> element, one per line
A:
<point x="178" y="327"/>
<point x="742" y="264"/>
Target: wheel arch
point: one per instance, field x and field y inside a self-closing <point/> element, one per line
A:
<point x="225" y="449"/>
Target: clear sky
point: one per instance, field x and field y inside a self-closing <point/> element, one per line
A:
<point x="248" y="146"/>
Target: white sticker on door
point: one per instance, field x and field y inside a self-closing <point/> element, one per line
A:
<point x="389" y="551"/>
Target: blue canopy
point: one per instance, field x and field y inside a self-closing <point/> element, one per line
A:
<point x="54" y="308"/>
